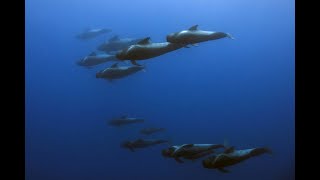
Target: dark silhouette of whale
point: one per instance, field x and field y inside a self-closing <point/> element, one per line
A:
<point x="145" y="49"/>
<point x="115" y="44"/>
<point x="117" y="72"/>
<point x="231" y="157"/>
<point x="148" y="131"/>
<point x="190" y="151"/>
<point x="95" y="59"/>
<point x="92" y="33"/>
<point x="193" y="35"/>
<point x="142" y="143"/>
<point x="124" y="120"/>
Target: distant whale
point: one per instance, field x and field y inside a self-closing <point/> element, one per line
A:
<point x="193" y="35"/>
<point x="92" y="33"/>
<point x="231" y="157"/>
<point x="124" y="120"/>
<point x="95" y="59"/>
<point x="142" y="143"/>
<point x="148" y="131"/>
<point x="145" y="49"/>
<point x="117" y="72"/>
<point x="115" y="44"/>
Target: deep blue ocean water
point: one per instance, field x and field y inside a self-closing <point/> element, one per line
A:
<point x="241" y="90"/>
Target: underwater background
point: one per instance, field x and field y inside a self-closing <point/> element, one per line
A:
<point x="238" y="90"/>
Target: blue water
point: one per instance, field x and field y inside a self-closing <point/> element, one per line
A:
<point x="241" y="90"/>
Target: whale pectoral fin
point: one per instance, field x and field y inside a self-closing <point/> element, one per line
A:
<point x="223" y="170"/>
<point x="108" y="80"/>
<point x="114" y="65"/>
<point x="178" y="160"/>
<point x="131" y="149"/>
<point x="186" y="46"/>
<point x="196" y="45"/>
<point x="193" y="28"/>
<point x="134" y="63"/>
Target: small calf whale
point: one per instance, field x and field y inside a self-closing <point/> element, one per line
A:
<point x="142" y="143"/>
<point x="148" y="131"/>
<point x="124" y="120"/>
<point x="145" y="49"/>
<point x="193" y="35"/>
<point x="95" y="59"/>
<point x="117" y="72"/>
<point x="92" y="33"/>
<point x="115" y="44"/>
<point x="231" y="157"/>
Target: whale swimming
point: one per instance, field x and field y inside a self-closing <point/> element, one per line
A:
<point x="193" y="35"/>
<point x="142" y="143"/>
<point x="148" y="131"/>
<point x="95" y="59"/>
<point x="231" y="157"/>
<point x="124" y="120"/>
<point x="145" y="49"/>
<point x="115" y="44"/>
<point x="190" y="151"/>
<point x="92" y="33"/>
<point x="117" y="72"/>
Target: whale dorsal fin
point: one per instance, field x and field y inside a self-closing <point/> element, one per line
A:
<point x="114" y="38"/>
<point x="114" y="66"/>
<point x="145" y="41"/>
<point x="193" y="28"/>
<point x="93" y="54"/>
<point x="187" y="146"/>
<point x="229" y="150"/>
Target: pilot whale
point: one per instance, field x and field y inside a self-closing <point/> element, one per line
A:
<point x="117" y="72"/>
<point x="193" y="35"/>
<point x="145" y="49"/>
<point x="95" y="59"/>
<point x="92" y="33"/>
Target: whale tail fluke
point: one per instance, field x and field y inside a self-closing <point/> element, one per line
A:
<point x="230" y="36"/>
<point x="260" y="151"/>
<point x="268" y="151"/>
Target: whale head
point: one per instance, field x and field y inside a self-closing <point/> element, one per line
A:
<point x="99" y="74"/>
<point x="167" y="152"/>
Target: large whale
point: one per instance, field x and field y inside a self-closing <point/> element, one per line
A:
<point x="117" y="72"/>
<point x="95" y="59"/>
<point x="145" y="49"/>
<point x="231" y="157"/>
<point x="92" y="33"/>
<point x="193" y="35"/>
<point x="115" y="44"/>
<point x="190" y="151"/>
